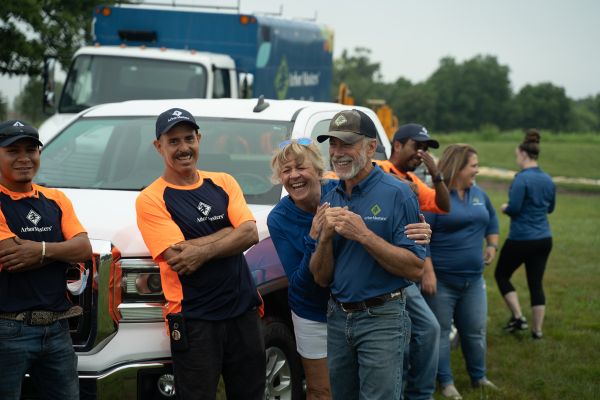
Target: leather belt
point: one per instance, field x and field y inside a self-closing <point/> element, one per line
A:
<point x="42" y="317"/>
<point x="372" y="302"/>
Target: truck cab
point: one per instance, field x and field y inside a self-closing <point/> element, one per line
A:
<point x="144" y="52"/>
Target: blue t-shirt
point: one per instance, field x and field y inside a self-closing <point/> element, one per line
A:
<point x="289" y="227"/>
<point x="386" y="205"/>
<point x="531" y="198"/>
<point x="456" y="246"/>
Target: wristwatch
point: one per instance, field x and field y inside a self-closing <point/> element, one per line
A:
<point x="438" y="178"/>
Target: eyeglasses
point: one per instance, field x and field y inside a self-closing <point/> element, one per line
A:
<point x="301" y="141"/>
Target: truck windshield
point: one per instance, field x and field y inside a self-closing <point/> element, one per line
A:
<point x="118" y="154"/>
<point x="95" y="80"/>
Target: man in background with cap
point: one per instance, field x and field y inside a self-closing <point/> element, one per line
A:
<point x="367" y="260"/>
<point x="409" y="150"/>
<point x="197" y="225"/>
<point x="40" y="236"/>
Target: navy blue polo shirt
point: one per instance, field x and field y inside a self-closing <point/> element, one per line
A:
<point x="386" y="205"/>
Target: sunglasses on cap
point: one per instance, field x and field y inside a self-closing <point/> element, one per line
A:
<point x="301" y="141"/>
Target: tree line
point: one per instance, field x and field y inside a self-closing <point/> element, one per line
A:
<point x="469" y="96"/>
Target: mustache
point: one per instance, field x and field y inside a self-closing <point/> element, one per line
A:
<point x="342" y="159"/>
<point x="183" y="154"/>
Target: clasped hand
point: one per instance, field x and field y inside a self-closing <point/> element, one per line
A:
<point x="187" y="258"/>
<point x="22" y="256"/>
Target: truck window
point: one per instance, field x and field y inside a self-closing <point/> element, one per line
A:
<point x="118" y="154"/>
<point x="95" y="80"/>
<point x="222" y="86"/>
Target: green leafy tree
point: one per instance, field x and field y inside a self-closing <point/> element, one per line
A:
<point x="362" y="76"/>
<point x="544" y="106"/>
<point x="472" y="94"/>
<point x="583" y="118"/>
<point x="32" y="29"/>
<point x="416" y="104"/>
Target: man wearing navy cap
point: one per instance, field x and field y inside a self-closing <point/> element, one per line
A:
<point x="367" y="260"/>
<point x="40" y="236"/>
<point x="197" y="225"/>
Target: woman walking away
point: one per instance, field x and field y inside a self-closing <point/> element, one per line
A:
<point x="531" y="198"/>
<point x="454" y="288"/>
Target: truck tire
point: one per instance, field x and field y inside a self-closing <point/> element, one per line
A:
<point x="284" y="368"/>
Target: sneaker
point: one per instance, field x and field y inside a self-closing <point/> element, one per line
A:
<point x="450" y="392"/>
<point x="485" y="383"/>
<point x="516" y="324"/>
<point x="536" y="335"/>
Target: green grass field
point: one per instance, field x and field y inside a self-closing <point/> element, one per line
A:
<point x="570" y="155"/>
<point x="564" y="364"/>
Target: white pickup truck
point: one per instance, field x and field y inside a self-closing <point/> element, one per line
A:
<point x="101" y="160"/>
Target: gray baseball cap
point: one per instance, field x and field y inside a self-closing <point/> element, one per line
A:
<point x="350" y="126"/>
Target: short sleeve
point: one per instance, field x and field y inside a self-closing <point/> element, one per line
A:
<point x="70" y="224"/>
<point x="237" y="210"/>
<point x="155" y="223"/>
<point x="5" y="232"/>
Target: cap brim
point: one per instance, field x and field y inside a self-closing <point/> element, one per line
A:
<point x="430" y="142"/>
<point x="172" y="124"/>
<point x="10" y="140"/>
<point x="344" y="136"/>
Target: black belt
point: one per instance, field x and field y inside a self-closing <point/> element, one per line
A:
<point x="42" y="317"/>
<point x="372" y="302"/>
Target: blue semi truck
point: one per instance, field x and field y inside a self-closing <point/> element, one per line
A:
<point x="153" y="52"/>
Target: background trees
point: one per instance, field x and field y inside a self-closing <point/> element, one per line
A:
<point x="32" y="29"/>
<point x="467" y="96"/>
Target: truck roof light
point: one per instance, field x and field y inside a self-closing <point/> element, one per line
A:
<point x="106" y="11"/>
<point x="247" y="19"/>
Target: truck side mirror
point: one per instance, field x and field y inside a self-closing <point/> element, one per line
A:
<point x="48" y="101"/>
<point x="245" y="79"/>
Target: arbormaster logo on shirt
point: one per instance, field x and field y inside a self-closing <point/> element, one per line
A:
<point x="477" y="201"/>
<point x="34" y="217"/>
<point x="375" y="210"/>
<point x="205" y="210"/>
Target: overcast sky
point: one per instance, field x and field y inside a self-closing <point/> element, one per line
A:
<point x="554" y="41"/>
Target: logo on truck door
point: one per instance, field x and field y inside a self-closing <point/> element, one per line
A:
<point x="282" y="79"/>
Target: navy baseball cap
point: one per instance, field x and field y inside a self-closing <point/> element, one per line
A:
<point x="416" y="132"/>
<point x="13" y="130"/>
<point x="350" y="126"/>
<point x="172" y="117"/>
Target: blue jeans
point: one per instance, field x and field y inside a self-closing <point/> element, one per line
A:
<point x="467" y="304"/>
<point x="45" y="352"/>
<point x="365" y="351"/>
<point x="421" y="359"/>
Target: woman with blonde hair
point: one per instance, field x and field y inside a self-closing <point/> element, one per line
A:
<point x="453" y="280"/>
<point x="531" y="198"/>
<point x="294" y="224"/>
